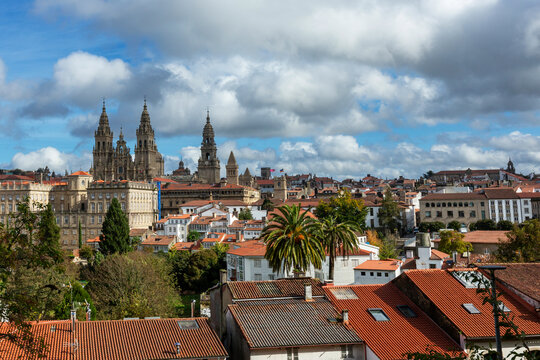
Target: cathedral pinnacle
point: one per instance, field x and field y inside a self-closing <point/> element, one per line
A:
<point x="207" y="116"/>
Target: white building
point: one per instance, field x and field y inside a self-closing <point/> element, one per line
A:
<point x="377" y="271"/>
<point x="175" y="225"/>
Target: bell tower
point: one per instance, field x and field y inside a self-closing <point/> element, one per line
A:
<point x="103" y="152"/>
<point x="209" y="166"/>
<point x="148" y="161"/>
<point x="232" y="170"/>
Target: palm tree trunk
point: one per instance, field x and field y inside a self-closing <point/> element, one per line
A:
<point x="332" y="256"/>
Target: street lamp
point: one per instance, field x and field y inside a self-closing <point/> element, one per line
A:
<point x="496" y="308"/>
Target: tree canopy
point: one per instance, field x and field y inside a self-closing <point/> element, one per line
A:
<point x="522" y="243"/>
<point x="245" y="214"/>
<point x="430" y="227"/>
<point x="344" y="208"/>
<point x="389" y="212"/>
<point x="290" y="240"/>
<point x="453" y="241"/>
<point x="114" y="236"/>
<point x="484" y="224"/>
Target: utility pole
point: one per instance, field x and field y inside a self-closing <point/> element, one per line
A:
<point x="496" y="307"/>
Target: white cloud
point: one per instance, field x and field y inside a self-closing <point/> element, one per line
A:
<point x="53" y="158"/>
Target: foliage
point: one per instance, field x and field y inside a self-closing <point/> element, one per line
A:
<point x="373" y="238"/>
<point x="197" y="272"/>
<point x="245" y="214"/>
<point x="430" y="227"/>
<point x="30" y="273"/>
<point x="431" y="354"/>
<point x="387" y="249"/>
<point x="267" y="205"/>
<point x="114" y="236"/>
<point x="454" y="225"/>
<point x="428" y="175"/>
<point x="344" y="208"/>
<point x="522" y="243"/>
<point x="291" y="242"/>
<point x="453" y="241"/>
<point x="337" y="239"/>
<point x="193" y="236"/>
<point x="86" y="252"/>
<point x="485" y="224"/>
<point x="389" y="212"/>
<point x="80" y="235"/>
<point x="505" y="225"/>
<point x="135" y="284"/>
<point x="76" y="296"/>
<point x="184" y="306"/>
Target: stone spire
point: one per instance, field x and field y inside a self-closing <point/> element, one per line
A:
<point x="232" y="170"/>
<point x="103" y="127"/>
<point x="144" y="125"/>
<point x="209" y="166"/>
<point x="232" y="160"/>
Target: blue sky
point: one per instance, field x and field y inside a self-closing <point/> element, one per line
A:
<point x="338" y="89"/>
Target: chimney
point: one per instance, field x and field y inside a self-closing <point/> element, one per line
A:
<point x="223" y="276"/>
<point x="307" y="292"/>
<point x="328" y="282"/>
<point x="177" y="346"/>
<point x="73" y="316"/>
<point x="88" y="312"/>
<point x="345" y="317"/>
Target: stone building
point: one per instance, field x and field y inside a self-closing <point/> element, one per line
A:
<point x="114" y="164"/>
<point x="209" y="166"/>
<point x="232" y="170"/>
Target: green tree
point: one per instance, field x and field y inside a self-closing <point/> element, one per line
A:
<point x="485" y="224"/>
<point x="344" y="208"/>
<point x="387" y="249"/>
<point x="193" y="236"/>
<point x="267" y="205"/>
<point x="337" y="239"/>
<point x="454" y="225"/>
<point x="80" y="235"/>
<point x="86" y="253"/>
<point x="453" y="241"/>
<point x="114" y="236"/>
<point x="389" y="212"/>
<point x="505" y="225"/>
<point x="78" y="298"/>
<point x="245" y="214"/>
<point x="430" y="227"/>
<point x="134" y="284"/>
<point x="291" y="242"/>
<point x="30" y="274"/>
<point x="522" y="243"/>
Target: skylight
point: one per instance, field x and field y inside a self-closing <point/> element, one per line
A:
<point x="343" y="293"/>
<point x="503" y="307"/>
<point x="269" y="288"/>
<point x="471" y="308"/>
<point x="378" y="315"/>
<point x="188" y="324"/>
<point x="469" y="279"/>
<point x="406" y="311"/>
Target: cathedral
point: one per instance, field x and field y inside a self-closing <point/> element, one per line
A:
<point x="113" y="164"/>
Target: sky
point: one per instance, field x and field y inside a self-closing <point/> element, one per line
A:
<point x="339" y="88"/>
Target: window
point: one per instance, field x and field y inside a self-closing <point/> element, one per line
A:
<point x="471" y="308"/>
<point x="347" y="352"/>
<point x="385" y="274"/>
<point x="292" y="354"/>
<point x="379" y="274"/>
<point x="461" y="213"/>
<point x="257" y="264"/>
<point x="363" y="273"/>
<point x="427" y="204"/>
<point x="271" y="276"/>
<point x="406" y="311"/>
<point x="450" y="213"/>
<point x="428" y="214"/>
<point x="439" y="213"/>
<point x="432" y="266"/>
<point x="378" y="314"/>
<point x="472" y="214"/>
<point x="258" y="277"/>
<point x="371" y="273"/>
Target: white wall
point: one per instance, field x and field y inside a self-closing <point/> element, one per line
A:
<point x="308" y="353"/>
<point x="369" y="279"/>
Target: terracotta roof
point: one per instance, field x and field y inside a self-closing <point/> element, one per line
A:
<point x="125" y="339"/>
<point x="500" y="193"/>
<point x="93" y="240"/>
<point x="438" y="255"/>
<point x="389" y="339"/>
<point x="248" y="248"/>
<point x="462" y="172"/>
<point x="195" y="187"/>
<point x="164" y="180"/>
<point x="137" y="232"/>
<point x="528" y="195"/>
<point x="198" y="203"/>
<point x="524" y="277"/>
<point x="265" y="182"/>
<point x="485" y="236"/>
<point x="184" y="246"/>
<point x="80" y="173"/>
<point x="389" y="265"/>
<point x="292" y="287"/>
<point x="291" y="322"/>
<point x="448" y="295"/>
<point x="163" y="240"/>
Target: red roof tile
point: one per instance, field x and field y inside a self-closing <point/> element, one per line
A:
<point x="448" y="295"/>
<point x="293" y="287"/>
<point x="524" y="277"/>
<point x="248" y="248"/>
<point x="125" y="339"/>
<point x="389" y="265"/>
<point x="390" y="339"/>
<point x="80" y="173"/>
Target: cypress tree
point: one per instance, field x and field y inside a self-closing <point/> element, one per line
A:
<point x="47" y="247"/>
<point x="80" y="235"/>
<point x="114" y="236"/>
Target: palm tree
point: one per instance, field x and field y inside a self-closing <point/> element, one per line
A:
<point x="290" y="240"/>
<point x="337" y="238"/>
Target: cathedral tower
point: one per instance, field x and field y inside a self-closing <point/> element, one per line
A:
<point x="232" y="170"/>
<point x="148" y="161"/>
<point x="209" y="166"/>
<point x="103" y="152"/>
<point x="124" y="166"/>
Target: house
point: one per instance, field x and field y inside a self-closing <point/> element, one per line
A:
<point x="175" y="225"/>
<point x="377" y="271"/>
<point x="138" y="339"/>
<point x="419" y="254"/>
<point x="157" y="243"/>
<point x="484" y="242"/>
<point x="389" y="323"/>
<point x="449" y="297"/>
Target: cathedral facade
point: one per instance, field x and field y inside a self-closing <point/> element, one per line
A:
<point x="115" y="163"/>
<point x="208" y="169"/>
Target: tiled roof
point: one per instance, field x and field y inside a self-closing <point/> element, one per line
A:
<point x="163" y="240"/>
<point x="528" y="195"/>
<point x="184" y="245"/>
<point x="485" y="236"/>
<point x="80" y="173"/>
<point x="379" y="265"/>
<point x="291" y="322"/>
<point x="500" y="193"/>
<point x="454" y="196"/>
<point x="448" y="295"/>
<point x="164" y="180"/>
<point x="293" y="287"/>
<point x="125" y="339"/>
<point x="137" y="232"/>
<point x="524" y="277"/>
<point x="248" y="248"/>
<point x="197" y="203"/>
<point x="438" y="255"/>
<point x="390" y="339"/>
